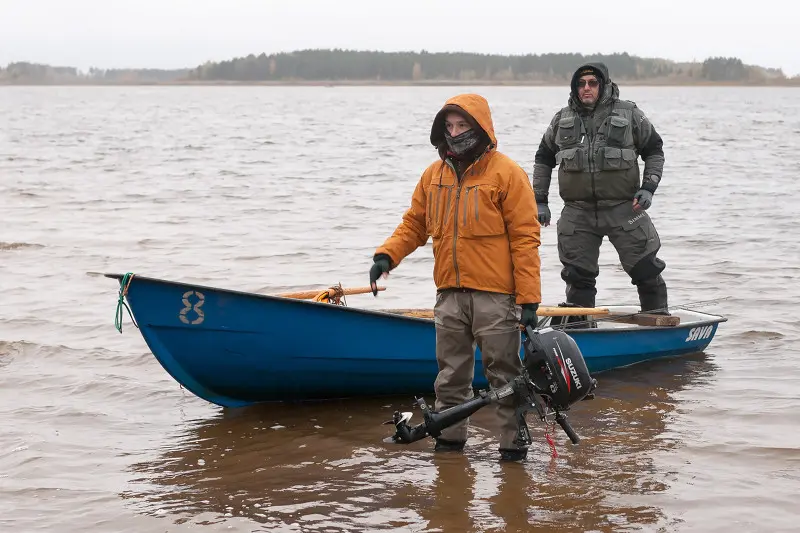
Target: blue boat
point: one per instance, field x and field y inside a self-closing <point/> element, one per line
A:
<point x="235" y="348"/>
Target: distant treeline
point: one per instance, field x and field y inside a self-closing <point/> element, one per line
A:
<point x="34" y="73"/>
<point x="344" y="65"/>
<point x="348" y="66"/>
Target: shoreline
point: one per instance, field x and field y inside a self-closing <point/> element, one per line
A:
<point x="393" y="83"/>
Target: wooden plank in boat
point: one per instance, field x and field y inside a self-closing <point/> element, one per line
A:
<point x="648" y="319"/>
<point x="542" y="311"/>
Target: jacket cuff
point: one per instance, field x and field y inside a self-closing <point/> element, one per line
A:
<point x="380" y="256"/>
<point x="649" y="186"/>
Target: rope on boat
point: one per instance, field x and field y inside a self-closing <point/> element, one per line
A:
<point x="332" y="295"/>
<point x="124" y="284"/>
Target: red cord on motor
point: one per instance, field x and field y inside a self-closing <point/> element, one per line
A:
<point x="550" y="441"/>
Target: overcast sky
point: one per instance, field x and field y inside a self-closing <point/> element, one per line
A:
<point x="186" y="33"/>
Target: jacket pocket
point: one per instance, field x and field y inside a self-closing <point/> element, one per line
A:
<point x="572" y="160"/>
<point x="617" y="130"/>
<point x="565" y="227"/>
<point x="640" y="236"/>
<point x="568" y="129"/>
<point x="439" y="198"/>
<point x="617" y="158"/>
<point x="480" y="212"/>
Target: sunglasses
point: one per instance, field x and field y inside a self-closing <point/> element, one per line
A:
<point x="590" y="83"/>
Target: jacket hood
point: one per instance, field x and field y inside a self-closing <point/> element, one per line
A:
<point x="475" y="109"/>
<point x="609" y="89"/>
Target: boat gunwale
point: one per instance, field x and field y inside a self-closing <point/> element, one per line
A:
<point x="713" y="319"/>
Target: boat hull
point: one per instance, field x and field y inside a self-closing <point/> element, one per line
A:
<point x="235" y="348"/>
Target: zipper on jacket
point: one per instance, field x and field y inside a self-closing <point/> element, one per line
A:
<point x="455" y="210"/>
<point x="591" y="168"/>
<point x="455" y="237"/>
<point x="455" y="222"/>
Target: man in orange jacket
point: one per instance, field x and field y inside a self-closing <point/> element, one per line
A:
<point x="478" y="206"/>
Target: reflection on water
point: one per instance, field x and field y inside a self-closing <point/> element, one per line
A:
<point x="323" y="467"/>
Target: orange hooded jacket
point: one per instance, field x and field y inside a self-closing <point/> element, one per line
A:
<point x="484" y="227"/>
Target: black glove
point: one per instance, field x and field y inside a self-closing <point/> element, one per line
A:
<point x="544" y="214"/>
<point x="643" y="199"/>
<point x="381" y="266"/>
<point x="528" y="317"/>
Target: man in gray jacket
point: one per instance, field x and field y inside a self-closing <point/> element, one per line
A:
<point x="595" y="142"/>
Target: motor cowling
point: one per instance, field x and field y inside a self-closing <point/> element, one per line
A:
<point x="556" y="367"/>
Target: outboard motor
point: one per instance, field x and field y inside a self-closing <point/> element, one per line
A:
<point x="556" y="367"/>
<point x="554" y="377"/>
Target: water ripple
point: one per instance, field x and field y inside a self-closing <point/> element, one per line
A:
<point x="272" y="189"/>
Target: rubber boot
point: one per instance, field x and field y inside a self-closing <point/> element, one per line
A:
<point x="444" y="445"/>
<point x="653" y="296"/>
<point x="513" y="454"/>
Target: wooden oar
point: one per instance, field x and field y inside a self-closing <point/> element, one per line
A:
<point x="307" y="295"/>
<point x="428" y="313"/>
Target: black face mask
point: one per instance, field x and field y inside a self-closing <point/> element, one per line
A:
<point x="462" y="143"/>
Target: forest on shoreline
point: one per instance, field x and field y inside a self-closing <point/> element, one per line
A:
<point x="353" y="67"/>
